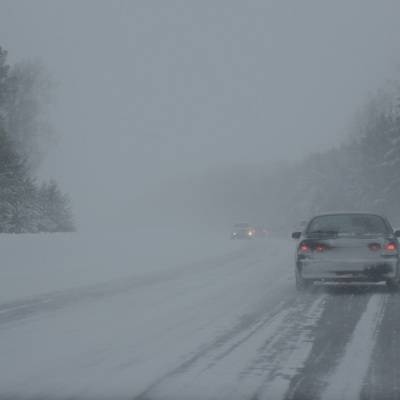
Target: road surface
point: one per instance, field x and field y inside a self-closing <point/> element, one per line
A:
<point x="230" y="327"/>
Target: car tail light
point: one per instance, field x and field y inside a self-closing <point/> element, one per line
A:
<point x="391" y="246"/>
<point x="374" y="246"/>
<point x="304" y="248"/>
<point x="319" y="248"/>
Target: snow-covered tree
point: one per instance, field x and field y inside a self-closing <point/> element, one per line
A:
<point x="17" y="190"/>
<point x="54" y="208"/>
<point x="23" y="206"/>
<point x="24" y="110"/>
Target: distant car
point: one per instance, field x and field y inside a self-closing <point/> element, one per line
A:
<point x="242" y="231"/>
<point x="347" y="247"/>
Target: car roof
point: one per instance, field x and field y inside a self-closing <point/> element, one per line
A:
<point x="386" y="220"/>
<point x="347" y="213"/>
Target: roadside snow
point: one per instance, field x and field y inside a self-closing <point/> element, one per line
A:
<point x="42" y="263"/>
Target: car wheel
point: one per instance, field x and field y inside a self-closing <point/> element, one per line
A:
<point x="393" y="285"/>
<point x="302" y="284"/>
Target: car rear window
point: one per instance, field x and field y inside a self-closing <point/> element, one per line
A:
<point x="348" y="223"/>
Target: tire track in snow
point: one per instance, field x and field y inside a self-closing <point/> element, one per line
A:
<point x="207" y="355"/>
<point x="230" y="367"/>
<point x="383" y="378"/>
<point x="283" y="357"/>
<point x="346" y="382"/>
<point x="344" y="308"/>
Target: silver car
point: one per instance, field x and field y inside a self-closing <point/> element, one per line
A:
<point x="347" y="247"/>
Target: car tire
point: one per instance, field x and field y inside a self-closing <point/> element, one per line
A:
<point x="302" y="284"/>
<point x="393" y="285"/>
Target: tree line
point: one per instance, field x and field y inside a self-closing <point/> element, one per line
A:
<point x="361" y="174"/>
<point x="26" y="205"/>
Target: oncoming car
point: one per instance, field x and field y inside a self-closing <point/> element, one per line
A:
<point x="347" y="247"/>
<point x="242" y="231"/>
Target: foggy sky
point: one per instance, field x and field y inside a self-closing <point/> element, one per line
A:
<point x="149" y="90"/>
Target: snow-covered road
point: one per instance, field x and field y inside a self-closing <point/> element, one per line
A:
<point x="228" y="326"/>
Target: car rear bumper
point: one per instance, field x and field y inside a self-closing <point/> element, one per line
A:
<point x="360" y="270"/>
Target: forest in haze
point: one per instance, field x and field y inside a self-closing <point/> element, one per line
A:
<point x="26" y="204"/>
<point x="360" y="174"/>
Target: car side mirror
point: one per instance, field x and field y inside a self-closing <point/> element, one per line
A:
<point x="296" y="235"/>
<point x="397" y="233"/>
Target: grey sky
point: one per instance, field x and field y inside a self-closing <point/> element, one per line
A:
<point x="149" y="89"/>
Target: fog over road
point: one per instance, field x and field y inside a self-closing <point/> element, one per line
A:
<point x="229" y="327"/>
<point x="134" y="135"/>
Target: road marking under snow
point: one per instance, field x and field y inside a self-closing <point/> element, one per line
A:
<point x="348" y="377"/>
